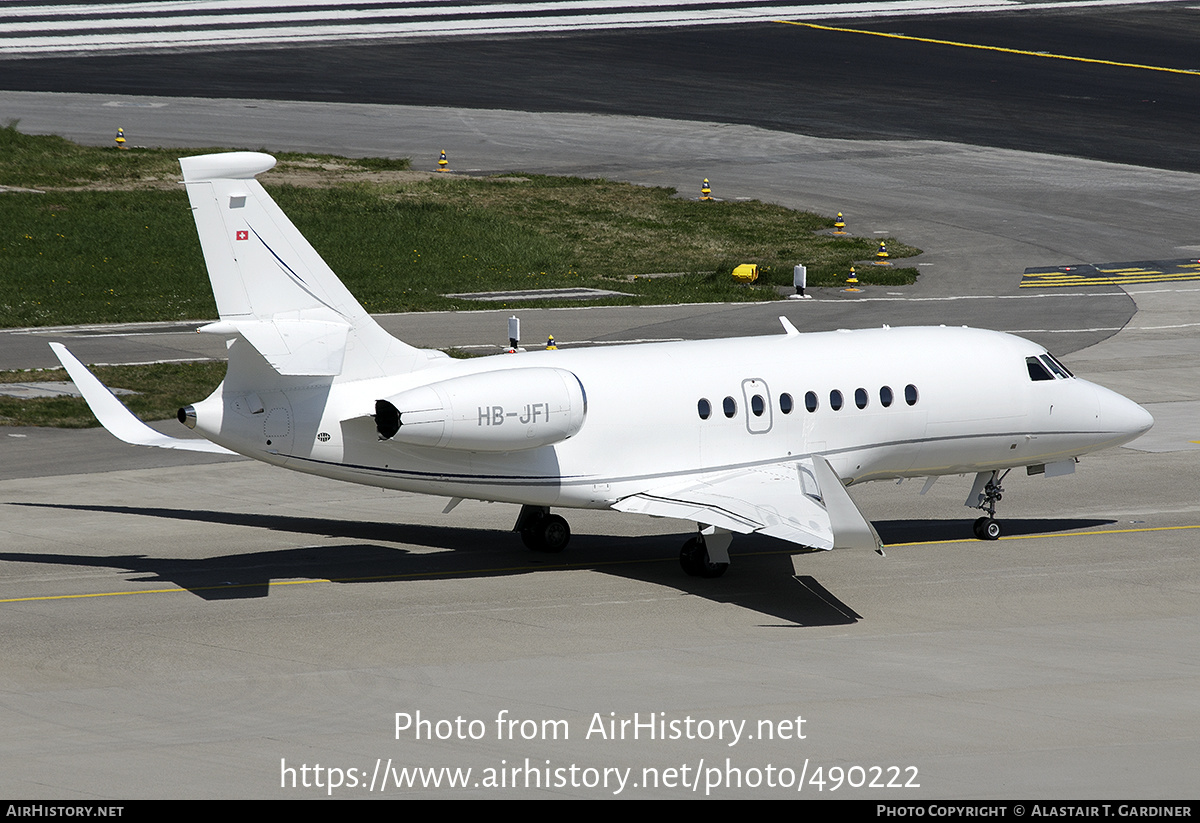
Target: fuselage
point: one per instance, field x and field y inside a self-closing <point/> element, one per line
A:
<point x="878" y="403"/>
<point x="745" y="435"/>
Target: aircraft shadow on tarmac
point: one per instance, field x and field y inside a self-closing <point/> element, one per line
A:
<point x="761" y="579"/>
<point x="894" y="532"/>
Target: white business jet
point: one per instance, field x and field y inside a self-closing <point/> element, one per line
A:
<point x="757" y="434"/>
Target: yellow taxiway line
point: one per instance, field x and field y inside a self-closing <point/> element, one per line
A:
<point x="1056" y="534"/>
<point x="559" y="567"/>
<point x="1002" y="49"/>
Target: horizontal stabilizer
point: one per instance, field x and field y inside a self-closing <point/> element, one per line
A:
<point x="113" y="415"/>
<point x="312" y="347"/>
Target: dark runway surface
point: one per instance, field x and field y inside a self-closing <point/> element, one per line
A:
<point x="193" y="628"/>
<point x="787" y="77"/>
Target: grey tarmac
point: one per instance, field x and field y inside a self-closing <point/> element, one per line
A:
<point x="187" y="627"/>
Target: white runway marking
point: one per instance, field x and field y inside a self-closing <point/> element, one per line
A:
<point x="41" y="30"/>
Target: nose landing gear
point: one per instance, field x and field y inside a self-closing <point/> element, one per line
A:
<point x="985" y="494"/>
<point x="987" y="529"/>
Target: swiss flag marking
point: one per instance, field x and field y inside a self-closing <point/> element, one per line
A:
<point x="243" y="235"/>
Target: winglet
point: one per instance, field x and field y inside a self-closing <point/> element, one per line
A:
<point x="850" y="529"/>
<point x="113" y="415"/>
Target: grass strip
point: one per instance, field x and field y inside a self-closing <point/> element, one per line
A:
<point x="111" y="239"/>
<point x="161" y="389"/>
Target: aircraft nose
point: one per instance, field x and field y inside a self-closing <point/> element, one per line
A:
<point x="1120" y="414"/>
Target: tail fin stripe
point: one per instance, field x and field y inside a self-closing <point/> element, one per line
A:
<point x="296" y="277"/>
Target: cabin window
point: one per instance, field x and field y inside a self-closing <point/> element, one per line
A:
<point x="1036" y="370"/>
<point x="704" y="408"/>
<point x="885" y="396"/>
<point x="730" y="406"/>
<point x="860" y="398"/>
<point x="785" y="403"/>
<point x="810" y="401"/>
<point x="910" y="394"/>
<point x="835" y="400"/>
<point x="757" y="405"/>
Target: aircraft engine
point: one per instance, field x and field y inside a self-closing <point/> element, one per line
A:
<point x="496" y="411"/>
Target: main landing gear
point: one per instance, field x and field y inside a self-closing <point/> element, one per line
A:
<point x="988" y="494"/>
<point x="542" y="531"/>
<point x="706" y="554"/>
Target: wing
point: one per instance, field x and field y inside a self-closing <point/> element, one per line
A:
<point x="113" y="415"/>
<point x="802" y="502"/>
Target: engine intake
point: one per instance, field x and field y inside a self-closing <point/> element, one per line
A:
<point x="497" y="411"/>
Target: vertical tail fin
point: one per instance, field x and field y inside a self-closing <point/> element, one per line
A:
<point x="272" y="287"/>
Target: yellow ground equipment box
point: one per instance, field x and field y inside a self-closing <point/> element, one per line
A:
<point x="746" y="273"/>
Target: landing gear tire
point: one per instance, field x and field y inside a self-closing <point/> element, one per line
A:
<point x="987" y="529"/>
<point x="693" y="557"/>
<point x="549" y="534"/>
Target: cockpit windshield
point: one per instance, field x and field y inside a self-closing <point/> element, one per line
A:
<point x="1036" y="370"/>
<point x="1046" y="367"/>
<point x="1055" y="366"/>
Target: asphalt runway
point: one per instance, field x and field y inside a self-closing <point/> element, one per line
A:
<point x="782" y="77"/>
<point x="178" y="626"/>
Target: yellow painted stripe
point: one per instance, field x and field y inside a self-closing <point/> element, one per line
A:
<point x="376" y="578"/>
<point x="1042" y="536"/>
<point x="1001" y="49"/>
<point x="1063" y="282"/>
<point x="1135" y="275"/>
<point x="565" y="566"/>
<point x="1109" y="281"/>
<point x="161" y="591"/>
<point x="1092" y="283"/>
